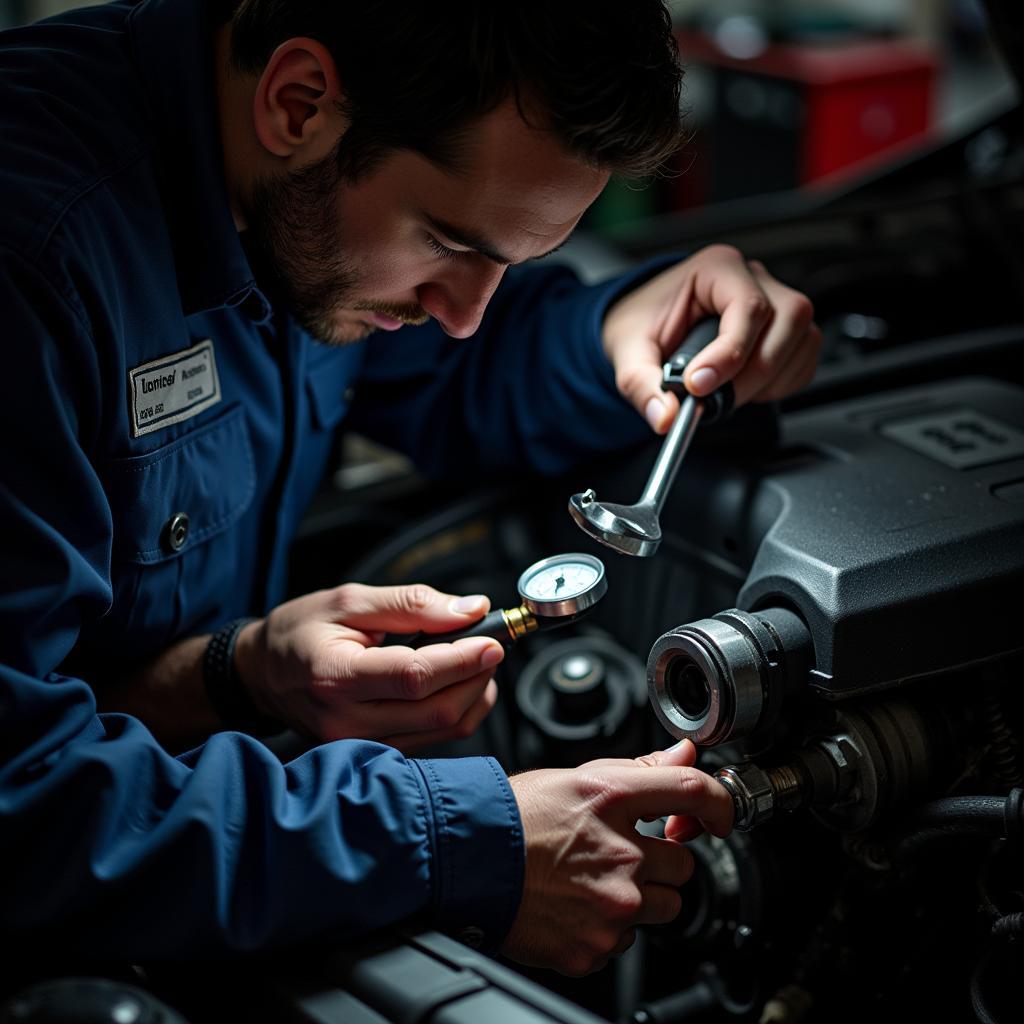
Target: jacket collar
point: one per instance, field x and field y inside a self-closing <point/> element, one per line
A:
<point x="173" y="42"/>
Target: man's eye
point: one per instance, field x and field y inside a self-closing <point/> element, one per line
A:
<point x="440" y="250"/>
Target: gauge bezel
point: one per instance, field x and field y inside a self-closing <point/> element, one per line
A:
<point x="567" y="605"/>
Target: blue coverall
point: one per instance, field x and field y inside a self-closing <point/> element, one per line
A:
<point x="119" y="260"/>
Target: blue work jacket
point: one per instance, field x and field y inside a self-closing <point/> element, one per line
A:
<point x="145" y="374"/>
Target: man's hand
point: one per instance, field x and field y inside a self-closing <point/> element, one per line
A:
<point x="767" y="346"/>
<point x="590" y="876"/>
<point x="316" y="664"/>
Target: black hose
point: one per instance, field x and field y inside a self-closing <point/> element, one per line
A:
<point x="996" y="817"/>
<point x="991" y="983"/>
<point x="1009" y="926"/>
<point x="1002" y="742"/>
<point x="983" y="1012"/>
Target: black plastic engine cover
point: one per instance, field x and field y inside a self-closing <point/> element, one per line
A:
<point x="895" y="526"/>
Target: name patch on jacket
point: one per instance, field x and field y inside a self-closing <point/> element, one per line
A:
<point x="174" y="388"/>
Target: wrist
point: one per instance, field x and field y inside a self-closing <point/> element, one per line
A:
<point x="249" y="662"/>
<point x="226" y="686"/>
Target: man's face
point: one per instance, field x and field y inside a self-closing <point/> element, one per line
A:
<point x="412" y="241"/>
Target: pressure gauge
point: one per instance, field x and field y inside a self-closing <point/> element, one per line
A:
<point x="554" y="592"/>
<point x="563" y="585"/>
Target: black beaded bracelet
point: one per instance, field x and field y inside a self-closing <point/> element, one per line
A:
<point x="224" y="688"/>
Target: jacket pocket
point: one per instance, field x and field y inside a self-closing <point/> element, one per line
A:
<point x="167" y="506"/>
<point x="208" y="477"/>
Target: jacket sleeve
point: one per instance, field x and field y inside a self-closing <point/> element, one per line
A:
<point x="532" y="389"/>
<point x="109" y="846"/>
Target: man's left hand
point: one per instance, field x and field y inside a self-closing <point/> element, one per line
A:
<point x="767" y="345"/>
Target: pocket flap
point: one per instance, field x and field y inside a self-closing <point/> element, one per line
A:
<point x="208" y="475"/>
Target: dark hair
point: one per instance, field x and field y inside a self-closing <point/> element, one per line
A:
<point x="603" y="75"/>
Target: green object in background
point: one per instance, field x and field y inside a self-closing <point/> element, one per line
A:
<point x="623" y="202"/>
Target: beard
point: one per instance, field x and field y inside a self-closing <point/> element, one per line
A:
<point x="295" y="240"/>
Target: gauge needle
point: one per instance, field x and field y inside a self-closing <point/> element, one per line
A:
<point x="559" y="583"/>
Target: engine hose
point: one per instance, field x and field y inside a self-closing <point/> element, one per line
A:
<point x="1009" y="926"/>
<point x="997" y="817"/>
<point x="995" y="967"/>
<point x="979" y="1003"/>
<point x="1003" y="743"/>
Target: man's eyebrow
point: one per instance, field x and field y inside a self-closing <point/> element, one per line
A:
<point x="471" y="240"/>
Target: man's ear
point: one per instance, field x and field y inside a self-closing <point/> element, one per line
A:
<point x="295" y="110"/>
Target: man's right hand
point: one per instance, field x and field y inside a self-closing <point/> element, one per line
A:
<point x="590" y="876"/>
<point x="316" y="664"/>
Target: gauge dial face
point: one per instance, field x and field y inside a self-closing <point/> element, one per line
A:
<point x="563" y="584"/>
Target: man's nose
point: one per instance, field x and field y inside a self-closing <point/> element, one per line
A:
<point x="457" y="299"/>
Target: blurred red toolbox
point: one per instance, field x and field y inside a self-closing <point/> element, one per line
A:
<point x="798" y="112"/>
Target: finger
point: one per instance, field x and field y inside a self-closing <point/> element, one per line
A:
<point x="627" y="940"/>
<point x="758" y="379"/>
<point x="661" y="904"/>
<point x="441" y="712"/>
<point x="639" y="373"/>
<point x="657" y="791"/>
<point x="798" y="372"/>
<point x="665" y="862"/>
<point x="404" y="609"/>
<point x="785" y="340"/>
<point x="745" y="312"/>
<point x="683" y="754"/>
<point x="404" y="674"/>
<point x="465" y="727"/>
<point x="681" y="828"/>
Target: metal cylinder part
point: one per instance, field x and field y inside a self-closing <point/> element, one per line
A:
<point x="725" y="677"/>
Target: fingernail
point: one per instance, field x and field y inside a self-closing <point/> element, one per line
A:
<point x="654" y="412"/>
<point x="491" y="656"/>
<point x="704" y="379"/>
<point x="676" y="746"/>
<point x="468" y="605"/>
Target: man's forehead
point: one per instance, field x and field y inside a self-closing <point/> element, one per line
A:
<point x="512" y="178"/>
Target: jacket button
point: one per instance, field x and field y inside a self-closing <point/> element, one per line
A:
<point x="176" y="531"/>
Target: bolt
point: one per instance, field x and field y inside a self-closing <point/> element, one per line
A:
<point x="753" y="796"/>
<point x="787" y="786"/>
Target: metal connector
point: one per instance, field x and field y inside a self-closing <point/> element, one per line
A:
<point x="753" y="796"/>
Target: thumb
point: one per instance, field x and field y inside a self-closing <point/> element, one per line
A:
<point x="681" y="828"/>
<point x="659" y="407"/>
<point x="638" y="376"/>
<point x="637" y="360"/>
<point x="409" y="609"/>
<point x="682" y="755"/>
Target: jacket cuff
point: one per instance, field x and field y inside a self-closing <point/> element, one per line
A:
<point x="478" y="856"/>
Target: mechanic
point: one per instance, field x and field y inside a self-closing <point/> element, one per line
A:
<point x="205" y="212"/>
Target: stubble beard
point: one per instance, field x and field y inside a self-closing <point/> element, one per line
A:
<point x="295" y="229"/>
